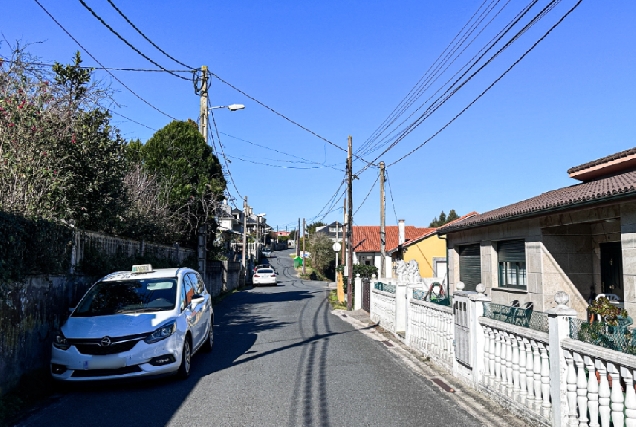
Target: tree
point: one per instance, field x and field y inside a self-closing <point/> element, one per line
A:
<point x="322" y="253"/>
<point x="443" y="219"/>
<point x="188" y="172"/>
<point x="61" y="158"/>
<point x="311" y="228"/>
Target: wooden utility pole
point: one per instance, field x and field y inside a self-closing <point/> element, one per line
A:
<point x="244" y="252"/>
<point x="382" y="224"/>
<point x="350" y="226"/>
<point x="203" y="118"/>
<point x="343" y="248"/>
<point x="304" y="240"/>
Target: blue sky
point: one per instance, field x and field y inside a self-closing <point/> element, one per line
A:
<point x="340" y="68"/>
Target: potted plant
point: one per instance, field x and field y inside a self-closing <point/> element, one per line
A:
<point x="605" y="311"/>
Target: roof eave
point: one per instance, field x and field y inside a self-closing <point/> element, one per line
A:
<point x="539" y="213"/>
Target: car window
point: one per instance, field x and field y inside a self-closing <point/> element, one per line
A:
<point x="128" y="296"/>
<point x="265" y="271"/>
<point x="189" y="288"/>
<point x="198" y="282"/>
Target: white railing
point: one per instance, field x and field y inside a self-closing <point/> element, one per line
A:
<point x="516" y="363"/>
<point x="383" y="309"/>
<point x="430" y="330"/>
<point x="599" y="385"/>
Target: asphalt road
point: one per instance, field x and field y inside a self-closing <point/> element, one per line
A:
<point x="280" y="358"/>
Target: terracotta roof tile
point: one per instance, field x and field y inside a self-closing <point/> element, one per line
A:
<point x="602" y="160"/>
<point x="618" y="186"/>
<point x="366" y="238"/>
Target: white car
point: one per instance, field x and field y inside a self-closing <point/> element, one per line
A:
<point x="264" y="276"/>
<point x="133" y="324"/>
<point x="266" y="253"/>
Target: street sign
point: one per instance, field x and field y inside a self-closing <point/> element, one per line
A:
<point x="336" y="247"/>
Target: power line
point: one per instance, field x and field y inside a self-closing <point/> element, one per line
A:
<point x="227" y="166"/>
<point x="271" y="165"/>
<point x="82" y="67"/>
<point x="280" y="152"/>
<point x="471" y="63"/>
<point x="284" y="116"/>
<point x="388" y="181"/>
<point x="489" y="87"/>
<point x="131" y="120"/>
<point x="101" y="65"/>
<point x="367" y="196"/>
<point x="99" y="18"/>
<point x="144" y="36"/>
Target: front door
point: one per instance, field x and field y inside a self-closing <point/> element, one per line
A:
<point x="612" y="269"/>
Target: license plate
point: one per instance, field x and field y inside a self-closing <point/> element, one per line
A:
<point x="104" y="363"/>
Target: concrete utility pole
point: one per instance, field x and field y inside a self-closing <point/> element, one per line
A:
<point x="243" y="260"/>
<point x="350" y="225"/>
<point x="203" y="118"/>
<point x="304" y="242"/>
<point x="382" y="224"/>
<point x="297" y="238"/>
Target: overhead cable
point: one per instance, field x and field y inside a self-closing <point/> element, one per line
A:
<point x="227" y="166"/>
<point x="145" y="37"/>
<point x="101" y="65"/>
<point x="489" y="87"/>
<point x="100" y="19"/>
<point x="367" y="196"/>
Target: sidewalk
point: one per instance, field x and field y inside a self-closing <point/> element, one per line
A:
<point x="488" y="412"/>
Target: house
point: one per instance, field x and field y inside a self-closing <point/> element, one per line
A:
<point x="579" y="239"/>
<point x="429" y="250"/>
<point x="334" y="231"/>
<point x="366" y="243"/>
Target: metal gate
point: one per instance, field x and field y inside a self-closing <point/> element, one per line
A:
<point x="462" y="330"/>
<point x="366" y="294"/>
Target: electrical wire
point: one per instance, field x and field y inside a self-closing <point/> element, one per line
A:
<point x="489" y="87"/>
<point x="226" y="161"/>
<point x="101" y="20"/>
<point x="81" y="67"/>
<point x="281" y="152"/>
<point x="285" y="117"/>
<point x="469" y="66"/>
<point x="270" y="165"/>
<point x="145" y="37"/>
<point x="101" y="65"/>
<point x="131" y="120"/>
<point x="367" y="196"/>
<point x="388" y="181"/>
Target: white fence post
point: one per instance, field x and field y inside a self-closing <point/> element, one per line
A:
<point x="357" y="296"/>
<point x="558" y="322"/>
<point x="400" y="307"/>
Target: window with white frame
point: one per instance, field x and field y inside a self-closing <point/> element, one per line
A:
<point x="511" y="257"/>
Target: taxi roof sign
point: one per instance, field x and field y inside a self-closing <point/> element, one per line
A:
<point x="142" y="268"/>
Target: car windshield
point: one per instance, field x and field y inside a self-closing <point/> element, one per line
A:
<point x="128" y="296"/>
<point x="265" y="271"/>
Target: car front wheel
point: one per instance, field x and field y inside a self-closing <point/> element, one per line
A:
<point x="186" y="360"/>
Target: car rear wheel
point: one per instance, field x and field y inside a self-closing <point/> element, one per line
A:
<point x="186" y="360"/>
<point x="209" y="343"/>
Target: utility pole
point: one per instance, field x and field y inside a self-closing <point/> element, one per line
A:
<point x="203" y="118"/>
<point x="304" y="241"/>
<point x="298" y="239"/>
<point x="244" y="252"/>
<point x="382" y="224"/>
<point x="350" y="226"/>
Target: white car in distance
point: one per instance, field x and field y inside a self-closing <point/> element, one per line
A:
<point x="135" y="323"/>
<point x="264" y="276"/>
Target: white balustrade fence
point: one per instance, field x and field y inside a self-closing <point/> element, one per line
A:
<point x="383" y="309"/>
<point x="430" y="330"/>
<point x="516" y="366"/>
<point x="542" y="373"/>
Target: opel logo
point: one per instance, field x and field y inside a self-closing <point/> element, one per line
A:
<point x="105" y="342"/>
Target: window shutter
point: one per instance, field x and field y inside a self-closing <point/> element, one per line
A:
<point x="511" y="251"/>
<point x="470" y="266"/>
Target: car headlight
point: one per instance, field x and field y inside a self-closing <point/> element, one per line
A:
<point x="60" y="341"/>
<point x="162" y="332"/>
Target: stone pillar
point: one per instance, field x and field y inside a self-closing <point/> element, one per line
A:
<point x="357" y="295"/>
<point x="477" y="337"/>
<point x="628" y="246"/>
<point x="559" y="326"/>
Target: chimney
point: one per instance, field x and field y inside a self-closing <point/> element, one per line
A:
<point x="401" y="232"/>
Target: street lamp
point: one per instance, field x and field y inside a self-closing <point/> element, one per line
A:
<point x="233" y="107"/>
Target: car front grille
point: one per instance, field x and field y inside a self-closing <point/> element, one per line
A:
<point x="88" y="373"/>
<point x="97" y="349"/>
